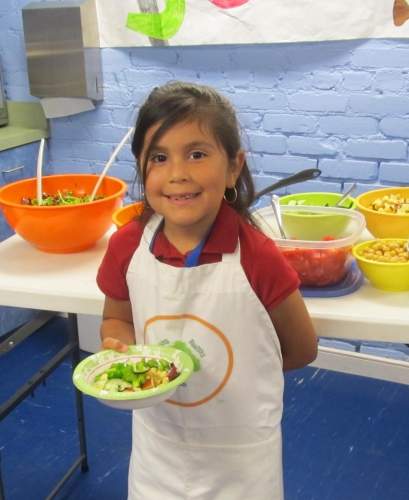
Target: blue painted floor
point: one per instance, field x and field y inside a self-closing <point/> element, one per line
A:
<point x="345" y="437"/>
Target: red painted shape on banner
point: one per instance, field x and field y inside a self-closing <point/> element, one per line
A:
<point x="229" y="4"/>
<point x="400" y="12"/>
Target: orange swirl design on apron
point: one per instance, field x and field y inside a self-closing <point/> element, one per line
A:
<point x="214" y="330"/>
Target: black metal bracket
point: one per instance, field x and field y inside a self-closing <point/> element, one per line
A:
<point x="70" y="348"/>
<point x="24" y="331"/>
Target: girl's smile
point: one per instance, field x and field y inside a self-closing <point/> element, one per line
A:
<point x="181" y="197"/>
<point x="187" y="175"/>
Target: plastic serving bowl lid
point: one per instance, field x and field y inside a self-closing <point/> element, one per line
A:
<point x="86" y="371"/>
<point x="312" y="226"/>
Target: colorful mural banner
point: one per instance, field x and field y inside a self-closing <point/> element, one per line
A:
<point x="132" y="23"/>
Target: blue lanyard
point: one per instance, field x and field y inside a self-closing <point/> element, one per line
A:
<point x="192" y="258"/>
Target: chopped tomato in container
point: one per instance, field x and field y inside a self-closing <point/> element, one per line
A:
<point x="318" y="262"/>
<point x="319" y="267"/>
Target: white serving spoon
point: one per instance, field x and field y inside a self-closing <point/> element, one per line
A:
<point x="39" y="182"/>
<point x="275" y="205"/>
<point x="110" y="162"/>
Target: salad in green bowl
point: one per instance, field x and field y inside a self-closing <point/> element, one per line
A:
<point x="143" y="376"/>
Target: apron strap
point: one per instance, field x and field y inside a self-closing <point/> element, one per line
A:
<point x="232" y="257"/>
<point x="155" y="233"/>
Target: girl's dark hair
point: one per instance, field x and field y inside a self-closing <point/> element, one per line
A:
<point x="176" y="102"/>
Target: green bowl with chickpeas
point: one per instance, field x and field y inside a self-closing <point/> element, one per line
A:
<point x="384" y="262"/>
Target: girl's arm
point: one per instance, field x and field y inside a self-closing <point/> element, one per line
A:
<point x="117" y="330"/>
<point x="295" y="331"/>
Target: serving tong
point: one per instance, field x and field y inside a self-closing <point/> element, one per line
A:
<point x="303" y="175"/>
<point x="275" y="204"/>
<point x="39" y="183"/>
<point x="39" y="172"/>
<point x="110" y="162"/>
<point x="351" y="188"/>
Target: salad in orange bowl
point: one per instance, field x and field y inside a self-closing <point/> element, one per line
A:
<point x="65" y="220"/>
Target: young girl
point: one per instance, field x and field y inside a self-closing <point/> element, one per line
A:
<point x="195" y="270"/>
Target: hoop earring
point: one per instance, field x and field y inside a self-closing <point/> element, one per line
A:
<point x="235" y="195"/>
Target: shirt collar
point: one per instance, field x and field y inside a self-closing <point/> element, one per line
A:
<point x="222" y="239"/>
<point x="225" y="232"/>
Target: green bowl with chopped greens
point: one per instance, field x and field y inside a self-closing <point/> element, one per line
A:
<point x="310" y="225"/>
<point x="317" y="199"/>
<point x="143" y="376"/>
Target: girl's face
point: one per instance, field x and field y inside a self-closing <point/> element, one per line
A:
<point x="187" y="175"/>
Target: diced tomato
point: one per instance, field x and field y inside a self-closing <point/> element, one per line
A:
<point x="318" y="267"/>
<point x="148" y="384"/>
<point x="172" y="373"/>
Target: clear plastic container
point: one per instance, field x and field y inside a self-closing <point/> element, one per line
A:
<point x="319" y="240"/>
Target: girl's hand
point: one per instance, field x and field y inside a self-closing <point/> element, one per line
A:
<point x="114" y="344"/>
<point x="117" y="331"/>
<point x="295" y="331"/>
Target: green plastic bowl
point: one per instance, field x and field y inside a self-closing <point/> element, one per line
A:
<point x="317" y="199"/>
<point x="86" y="371"/>
<point x="305" y="225"/>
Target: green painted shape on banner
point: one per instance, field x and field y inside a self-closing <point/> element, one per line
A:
<point x="161" y="25"/>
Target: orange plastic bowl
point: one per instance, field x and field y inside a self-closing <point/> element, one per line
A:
<point x="63" y="228"/>
<point x="123" y="215"/>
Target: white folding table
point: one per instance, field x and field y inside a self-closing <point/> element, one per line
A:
<point x="66" y="283"/>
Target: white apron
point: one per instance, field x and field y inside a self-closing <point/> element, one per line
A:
<point x="219" y="437"/>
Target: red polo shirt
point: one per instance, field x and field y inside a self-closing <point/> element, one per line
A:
<point x="268" y="273"/>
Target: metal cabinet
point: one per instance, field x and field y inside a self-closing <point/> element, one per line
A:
<point x="15" y="164"/>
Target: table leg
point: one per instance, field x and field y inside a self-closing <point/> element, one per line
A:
<point x="2" y="497"/>
<point x="73" y="332"/>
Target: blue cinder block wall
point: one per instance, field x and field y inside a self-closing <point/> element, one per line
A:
<point x="341" y="106"/>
